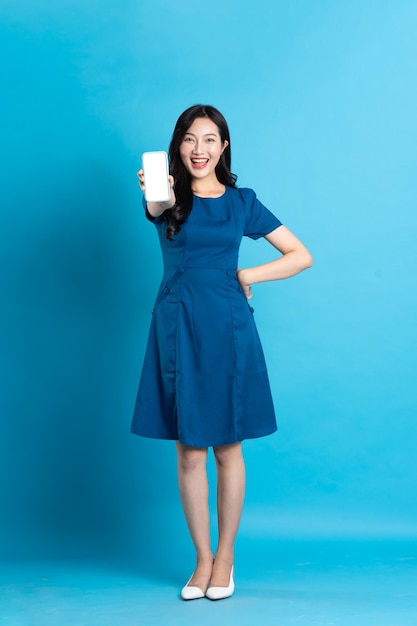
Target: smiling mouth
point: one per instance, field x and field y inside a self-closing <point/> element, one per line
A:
<point x="199" y="163"/>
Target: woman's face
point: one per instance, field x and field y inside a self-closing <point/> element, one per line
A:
<point x="201" y="148"/>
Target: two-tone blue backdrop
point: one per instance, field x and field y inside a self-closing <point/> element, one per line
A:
<point x="321" y="100"/>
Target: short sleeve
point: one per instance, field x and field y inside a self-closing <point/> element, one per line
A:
<point x="259" y="221"/>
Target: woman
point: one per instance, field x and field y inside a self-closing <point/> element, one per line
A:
<point x="204" y="381"/>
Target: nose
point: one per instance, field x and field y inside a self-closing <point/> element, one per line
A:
<point x="197" y="147"/>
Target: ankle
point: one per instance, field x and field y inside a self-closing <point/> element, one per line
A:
<point x="226" y="558"/>
<point x="205" y="559"/>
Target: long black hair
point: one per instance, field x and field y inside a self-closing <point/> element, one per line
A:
<point x="176" y="216"/>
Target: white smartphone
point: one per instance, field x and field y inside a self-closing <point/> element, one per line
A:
<point x="155" y="170"/>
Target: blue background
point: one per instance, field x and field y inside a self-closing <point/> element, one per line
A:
<point x="321" y="99"/>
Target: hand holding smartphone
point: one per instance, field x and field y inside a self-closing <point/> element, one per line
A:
<point x="155" y="170"/>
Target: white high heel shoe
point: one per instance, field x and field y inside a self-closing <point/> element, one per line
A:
<point x="190" y="592"/>
<point x="219" y="593"/>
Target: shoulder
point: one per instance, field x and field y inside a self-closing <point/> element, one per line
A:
<point x="244" y="195"/>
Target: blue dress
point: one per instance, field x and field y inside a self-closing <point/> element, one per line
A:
<point x="204" y="379"/>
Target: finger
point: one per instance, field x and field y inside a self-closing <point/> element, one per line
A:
<point x="141" y="179"/>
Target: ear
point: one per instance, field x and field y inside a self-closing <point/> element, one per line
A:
<point x="225" y="144"/>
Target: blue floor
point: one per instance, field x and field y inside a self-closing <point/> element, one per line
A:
<point x="277" y="583"/>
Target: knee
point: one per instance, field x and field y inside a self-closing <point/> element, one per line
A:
<point x="228" y="455"/>
<point x="191" y="459"/>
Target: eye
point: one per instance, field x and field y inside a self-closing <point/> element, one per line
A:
<point x="188" y="139"/>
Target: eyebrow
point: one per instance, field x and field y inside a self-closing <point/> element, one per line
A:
<point x="205" y="135"/>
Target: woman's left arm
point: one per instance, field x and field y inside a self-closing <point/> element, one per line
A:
<point x="295" y="258"/>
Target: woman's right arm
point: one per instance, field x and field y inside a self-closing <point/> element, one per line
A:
<point x="157" y="208"/>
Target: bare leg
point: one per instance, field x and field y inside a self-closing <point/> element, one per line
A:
<point x="193" y="484"/>
<point x="230" y="495"/>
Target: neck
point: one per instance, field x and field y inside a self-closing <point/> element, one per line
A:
<point x="207" y="187"/>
